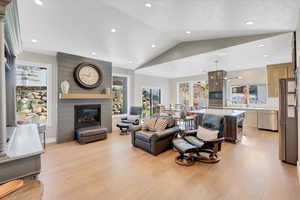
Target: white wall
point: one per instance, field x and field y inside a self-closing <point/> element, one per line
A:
<point x="142" y="81"/>
<point x="131" y="78"/>
<point x="50" y="60"/>
<point x="136" y="83"/>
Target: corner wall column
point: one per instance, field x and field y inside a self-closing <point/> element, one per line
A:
<point x="3" y="4"/>
<point x="2" y="91"/>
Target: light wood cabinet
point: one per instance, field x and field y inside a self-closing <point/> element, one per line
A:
<point x="276" y="72"/>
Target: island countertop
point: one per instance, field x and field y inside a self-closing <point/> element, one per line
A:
<point x="221" y="112"/>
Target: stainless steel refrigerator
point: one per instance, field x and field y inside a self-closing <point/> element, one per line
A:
<point x="288" y="121"/>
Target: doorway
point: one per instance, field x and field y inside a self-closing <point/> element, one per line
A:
<point x="151" y="98"/>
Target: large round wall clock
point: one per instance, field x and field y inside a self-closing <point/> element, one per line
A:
<point x="88" y="76"/>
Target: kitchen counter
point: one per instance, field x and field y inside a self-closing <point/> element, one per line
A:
<point x="250" y="108"/>
<point x="262" y="118"/>
<point x="221" y="112"/>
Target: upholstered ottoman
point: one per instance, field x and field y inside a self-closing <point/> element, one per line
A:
<point x="183" y="148"/>
<point x="90" y="134"/>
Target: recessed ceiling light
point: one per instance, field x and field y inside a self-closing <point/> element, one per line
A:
<point x="260" y="45"/>
<point x="93" y="53"/>
<point x="266" y="55"/>
<point x="34" y="41"/>
<point x="113" y="30"/>
<point x="39" y="2"/>
<point x="130" y="62"/>
<point x="249" y="23"/>
<point x="148" y="5"/>
<point x="188" y="32"/>
<point x="153" y="45"/>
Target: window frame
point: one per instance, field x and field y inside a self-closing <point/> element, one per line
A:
<point x="191" y="90"/>
<point x="128" y="92"/>
<point x="151" y="88"/>
<point x="230" y="86"/>
<point x="50" y="88"/>
<point x="190" y="93"/>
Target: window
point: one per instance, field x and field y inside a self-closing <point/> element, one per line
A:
<point x="119" y="93"/>
<point x="200" y="94"/>
<point x="249" y="94"/>
<point x="184" y="93"/>
<point x="193" y="93"/>
<point x="31" y="94"/>
<point x="151" y="98"/>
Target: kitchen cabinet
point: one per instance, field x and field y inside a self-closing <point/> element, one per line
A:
<point x="276" y="72"/>
<point x="267" y="120"/>
<point x="251" y="118"/>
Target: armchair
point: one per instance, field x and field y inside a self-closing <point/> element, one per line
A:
<point x="191" y="148"/>
<point x="134" y="116"/>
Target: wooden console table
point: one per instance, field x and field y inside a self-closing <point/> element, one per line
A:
<point x="31" y="190"/>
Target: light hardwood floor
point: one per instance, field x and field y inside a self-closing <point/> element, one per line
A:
<point x="113" y="169"/>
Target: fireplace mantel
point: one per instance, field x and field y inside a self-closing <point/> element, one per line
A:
<point x="84" y="96"/>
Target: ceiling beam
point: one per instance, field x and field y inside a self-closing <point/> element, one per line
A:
<point x="193" y="48"/>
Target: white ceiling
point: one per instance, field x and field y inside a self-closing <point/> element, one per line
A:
<point x="277" y="49"/>
<point x="83" y="26"/>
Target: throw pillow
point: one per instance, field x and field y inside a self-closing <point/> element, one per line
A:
<point x="149" y="124"/>
<point x="161" y="124"/>
<point x="206" y="134"/>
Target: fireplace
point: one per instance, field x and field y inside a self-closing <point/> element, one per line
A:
<point x="87" y="115"/>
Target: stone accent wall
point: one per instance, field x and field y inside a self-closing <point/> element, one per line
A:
<point x="66" y="64"/>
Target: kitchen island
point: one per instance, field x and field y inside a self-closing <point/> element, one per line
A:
<point x="233" y="122"/>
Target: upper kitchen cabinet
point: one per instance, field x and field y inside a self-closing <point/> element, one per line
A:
<point x="276" y="72"/>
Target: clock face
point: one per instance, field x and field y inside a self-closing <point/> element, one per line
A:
<point x="87" y="76"/>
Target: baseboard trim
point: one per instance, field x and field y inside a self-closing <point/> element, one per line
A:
<point x="50" y="140"/>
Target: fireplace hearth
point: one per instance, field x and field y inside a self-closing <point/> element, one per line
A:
<point x="87" y="116"/>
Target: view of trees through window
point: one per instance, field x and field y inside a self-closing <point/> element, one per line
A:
<point x="151" y="99"/>
<point x="184" y="93"/>
<point x="119" y="93"/>
<point x="31" y="94"/>
<point x="200" y="94"/>
<point x="193" y="93"/>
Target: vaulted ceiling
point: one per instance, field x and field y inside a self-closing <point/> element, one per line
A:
<point x="84" y="27"/>
<point x="254" y="54"/>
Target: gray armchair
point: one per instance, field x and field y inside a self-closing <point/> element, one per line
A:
<point x="134" y="116"/>
<point x="153" y="142"/>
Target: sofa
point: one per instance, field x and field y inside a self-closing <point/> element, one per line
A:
<point x="154" y="142"/>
